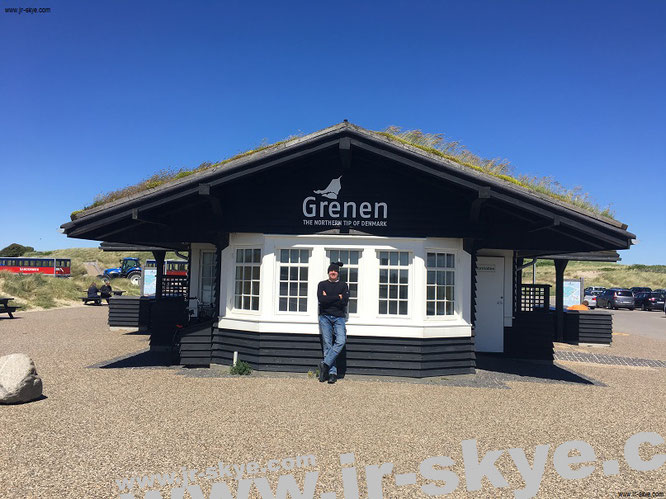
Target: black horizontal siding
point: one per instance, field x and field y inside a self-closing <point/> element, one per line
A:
<point x="129" y="311"/>
<point x="194" y="345"/>
<point x="530" y="336"/>
<point x="588" y="327"/>
<point x="385" y="356"/>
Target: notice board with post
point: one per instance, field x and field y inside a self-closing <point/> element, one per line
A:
<point x="573" y="292"/>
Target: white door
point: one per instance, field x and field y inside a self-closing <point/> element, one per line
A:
<point x="489" y="329"/>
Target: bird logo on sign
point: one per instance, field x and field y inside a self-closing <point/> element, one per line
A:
<point x="332" y="190"/>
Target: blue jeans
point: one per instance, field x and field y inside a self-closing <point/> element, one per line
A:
<point x="330" y="325"/>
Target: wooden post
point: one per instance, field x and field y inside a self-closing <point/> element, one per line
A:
<point x="159" y="261"/>
<point x="518" y="282"/>
<point x="560" y="265"/>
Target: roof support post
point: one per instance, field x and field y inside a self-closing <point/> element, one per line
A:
<point x="159" y="261"/>
<point x="560" y="265"/>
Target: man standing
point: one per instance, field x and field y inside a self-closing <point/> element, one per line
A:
<point x="333" y="296"/>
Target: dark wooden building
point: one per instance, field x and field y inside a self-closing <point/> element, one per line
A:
<point x="432" y="252"/>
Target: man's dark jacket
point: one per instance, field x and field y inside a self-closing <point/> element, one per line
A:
<point x="331" y="304"/>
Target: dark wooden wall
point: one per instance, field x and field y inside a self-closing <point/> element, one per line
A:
<point x="531" y="336"/>
<point x="129" y="311"/>
<point x="588" y="327"/>
<point x="383" y="356"/>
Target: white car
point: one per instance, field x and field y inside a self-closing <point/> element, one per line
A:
<point x="591" y="300"/>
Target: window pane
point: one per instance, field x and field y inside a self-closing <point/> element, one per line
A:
<point x="382" y="307"/>
<point x="284" y="273"/>
<point x="293" y="273"/>
<point x="403" y="292"/>
<point x="393" y="275"/>
<point x="383" y="258"/>
<point x="431" y="277"/>
<point x="284" y="256"/>
<point x="283" y="304"/>
<point x="239" y="301"/>
<point x="404" y="258"/>
<point x="354" y="257"/>
<point x="402" y="308"/>
<point x="247" y="286"/>
<point x="440" y="292"/>
<point x="383" y="275"/>
<point x="403" y="276"/>
<point x="449" y="293"/>
<point x="239" y="256"/>
<point x="393" y="258"/>
<point x="383" y="291"/>
<point x="440" y="308"/>
<point x="284" y="288"/>
<point x="430" y="292"/>
<point x="293" y="305"/>
<point x="334" y="255"/>
<point x="256" y="256"/>
<point x="303" y="289"/>
<point x="441" y="278"/>
<point x="305" y="256"/>
<point x="255" y="272"/>
<point x="393" y="307"/>
<point x="449" y="308"/>
<point x="255" y="303"/>
<point x="441" y="260"/>
<point x="255" y="288"/>
<point x="294" y="256"/>
<point x="302" y="305"/>
<point x="239" y="287"/>
<point x="303" y="274"/>
<point x="293" y="289"/>
<point x="430" y="260"/>
<point x="393" y="291"/>
<point x="450" y="261"/>
<point x="246" y="302"/>
<point x="353" y="275"/>
<point x="430" y="308"/>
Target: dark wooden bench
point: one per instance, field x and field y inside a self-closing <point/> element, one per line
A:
<point x="97" y="300"/>
<point x="6" y="308"/>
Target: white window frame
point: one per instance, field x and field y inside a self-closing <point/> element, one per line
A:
<point x="276" y="279"/>
<point x="232" y="300"/>
<point x="456" y="311"/>
<point x="411" y="255"/>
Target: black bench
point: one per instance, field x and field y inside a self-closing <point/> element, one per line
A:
<point x="97" y="300"/>
<point x="6" y="308"/>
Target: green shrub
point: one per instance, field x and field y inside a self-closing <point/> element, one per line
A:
<point x="15" y="250"/>
<point x="241" y="368"/>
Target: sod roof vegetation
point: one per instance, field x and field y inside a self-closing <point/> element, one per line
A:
<point x="433" y="145"/>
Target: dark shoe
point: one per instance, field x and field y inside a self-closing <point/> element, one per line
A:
<point x="332" y="379"/>
<point x="323" y="372"/>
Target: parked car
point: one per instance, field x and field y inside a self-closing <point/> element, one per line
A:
<point x="637" y="289"/>
<point x="591" y="298"/>
<point x="615" y="298"/>
<point x="592" y="289"/>
<point x="650" y="301"/>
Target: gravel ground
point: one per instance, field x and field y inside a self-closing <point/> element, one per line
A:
<point x="96" y="425"/>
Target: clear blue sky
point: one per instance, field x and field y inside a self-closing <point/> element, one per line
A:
<point x="98" y="95"/>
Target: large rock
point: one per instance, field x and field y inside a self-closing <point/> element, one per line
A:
<point x="19" y="381"/>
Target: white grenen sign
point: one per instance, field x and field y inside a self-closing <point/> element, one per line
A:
<point x="329" y="211"/>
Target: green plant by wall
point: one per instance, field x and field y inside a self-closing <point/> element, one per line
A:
<point x="241" y="368"/>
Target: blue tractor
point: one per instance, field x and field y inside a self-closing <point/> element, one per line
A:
<point x="130" y="268"/>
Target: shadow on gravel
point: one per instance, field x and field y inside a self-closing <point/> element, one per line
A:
<point x="143" y="359"/>
<point x="10" y="319"/>
<point x="529" y="369"/>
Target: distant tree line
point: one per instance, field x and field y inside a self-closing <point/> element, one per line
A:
<point x="16" y="249"/>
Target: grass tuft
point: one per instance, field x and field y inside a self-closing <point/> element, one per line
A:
<point x="439" y="145"/>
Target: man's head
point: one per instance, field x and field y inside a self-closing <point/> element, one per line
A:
<point x="334" y="271"/>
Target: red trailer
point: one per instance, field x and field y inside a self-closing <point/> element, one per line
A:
<point x="60" y="267"/>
